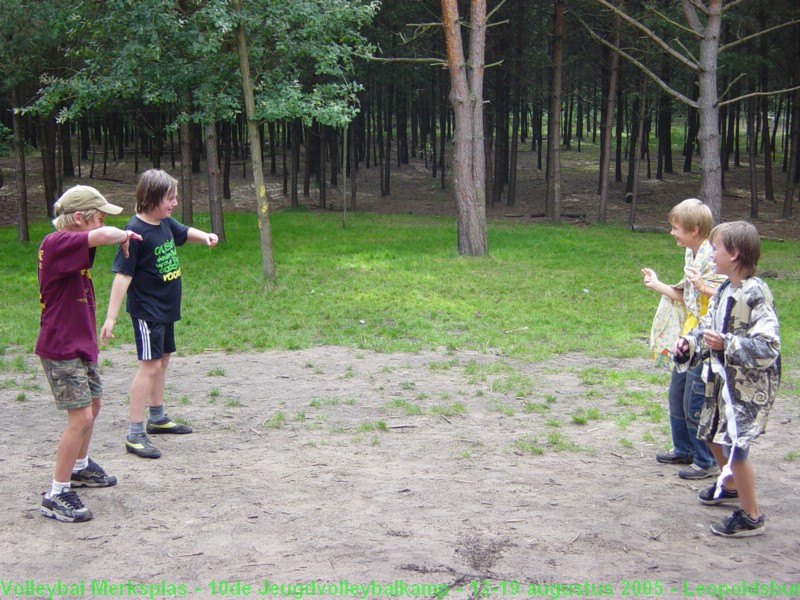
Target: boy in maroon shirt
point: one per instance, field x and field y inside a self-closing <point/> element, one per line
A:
<point x="67" y="342"/>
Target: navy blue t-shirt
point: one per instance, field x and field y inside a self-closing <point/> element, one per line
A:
<point x="155" y="290"/>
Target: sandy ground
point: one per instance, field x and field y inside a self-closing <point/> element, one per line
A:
<point x="324" y="470"/>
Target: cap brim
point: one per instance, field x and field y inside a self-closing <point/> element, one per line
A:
<point x="110" y="209"/>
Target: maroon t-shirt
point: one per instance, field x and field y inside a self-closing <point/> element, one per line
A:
<point x="68" y="323"/>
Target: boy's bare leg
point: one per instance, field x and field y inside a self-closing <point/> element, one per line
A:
<point x="147" y="386"/>
<point x="745" y="479"/>
<point x="84" y="451"/>
<point x="719" y="455"/>
<point x="74" y="440"/>
<point x="160" y="382"/>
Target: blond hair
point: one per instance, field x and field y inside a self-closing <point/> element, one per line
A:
<point x="693" y="213"/>
<point x="66" y="221"/>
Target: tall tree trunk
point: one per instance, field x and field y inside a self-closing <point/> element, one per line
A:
<point x="637" y="156"/>
<point x="708" y="132"/>
<point x="262" y="198"/>
<point x="212" y="169"/>
<point x="794" y="145"/>
<point x="187" y="191"/>
<point x="47" y="147"/>
<point x="605" y="125"/>
<point x="23" y="233"/>
<point x="466" y="96"/>
<point x="752" y="118"/>
<point x="553" y="198"/>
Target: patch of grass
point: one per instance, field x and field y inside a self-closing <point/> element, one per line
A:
<point x="791" y="456"/>
<point x="214" y="393"/>
<point x="184" y="400"/>
<point x="404" y="406"/>
<point x="21" y="397"/>
<point x="504" y="409"/>
<point x="648" y="437"/>
<point x="276" y="421"/>
<point x="529" y="444"/>
<point x="625" y="419"/>
<point x="626" y="443"/>
<point x="479" y="372"/>
<point x="233" y="403"/>
<point x="535" y="407"/>
<point x="581" y="415"/>
<point x="656" y="412"/>
<point x="216" y="372"/>
<point x="443" y="366"/>
<point x="559" y="442"/>
<point x="15" y="363"/>
<point x="320" y="402"/>
<point x="396" y="283"/>
<point x="373" y="426"/>
<point x="517" y="384"/>
<point x="407" y="385"/>
<point x="553" y="423"/>
<point x="451" y="410"/>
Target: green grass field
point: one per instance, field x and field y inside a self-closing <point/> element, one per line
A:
<point x="396" y="283"/>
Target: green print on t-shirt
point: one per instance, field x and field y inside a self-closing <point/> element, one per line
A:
<point x="167" y="262"/>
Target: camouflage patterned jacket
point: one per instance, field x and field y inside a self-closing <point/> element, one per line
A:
<point x="751" y="360"/>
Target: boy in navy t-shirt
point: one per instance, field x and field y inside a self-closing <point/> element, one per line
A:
<point x="150" y="275"/>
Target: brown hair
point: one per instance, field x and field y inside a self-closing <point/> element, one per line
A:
<point x="741" y="237"/>
<point x="693" y="213"/>
<point x="154" y="185"/>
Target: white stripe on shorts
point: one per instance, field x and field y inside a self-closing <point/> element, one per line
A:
<point x="144" y="333"/>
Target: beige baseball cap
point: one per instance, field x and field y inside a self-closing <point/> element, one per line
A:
<point x="83" y="197"/>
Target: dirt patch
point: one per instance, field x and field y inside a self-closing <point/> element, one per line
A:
<point x="338" y="467"/>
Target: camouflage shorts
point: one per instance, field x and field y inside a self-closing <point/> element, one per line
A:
<point x="74" y="382"/>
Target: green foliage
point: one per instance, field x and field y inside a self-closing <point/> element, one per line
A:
<point x="6" y="140"/>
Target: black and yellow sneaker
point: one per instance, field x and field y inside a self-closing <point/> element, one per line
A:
<point x="93" y="475"/>
<point x="140" y="445"/>
<point x="739" y="524"/>
<point x="66" y="506"/>
<point x="167" y="425"/>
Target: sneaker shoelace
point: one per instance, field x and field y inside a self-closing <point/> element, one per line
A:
<point x="94" y="469"/>
<point x="71" y="499"/>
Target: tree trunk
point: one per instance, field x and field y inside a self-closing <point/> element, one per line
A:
<point x="605" y="126"/>
<point x="187" y="193"/>
<point x="553" y="201"/>
<point x="23" y="233"/>
<point x="794" y="146"/>
<point x="637" y="156"/>
<point x="47" y="147"/>
<point x="212" y="169"/>
<point x="262" y="198"/>
<point x="752" y="118"/>
<point x="708" y="132"/>
<point x="466" y="96"/>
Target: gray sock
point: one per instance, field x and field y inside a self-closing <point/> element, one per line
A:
<point x="135" y="427"/>
<point x="157" y="413"/>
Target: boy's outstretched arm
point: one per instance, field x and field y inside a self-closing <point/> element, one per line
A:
<point x="118" y="290"/>
<point x="651" y="280"/>
<point x="108" y="235"/>
<point x="201" y="237"/>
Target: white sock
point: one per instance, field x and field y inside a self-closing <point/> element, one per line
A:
<point x="81" y="464"/>
<point x="57" y="487"/>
